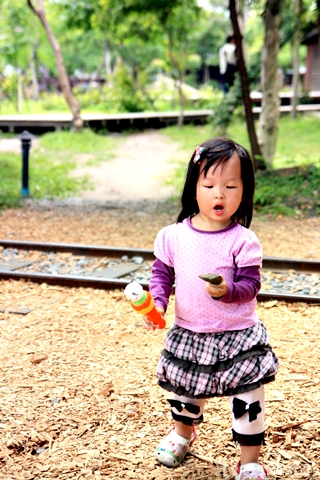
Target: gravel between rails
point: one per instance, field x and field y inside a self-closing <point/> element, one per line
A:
<point x="137" y="268"/>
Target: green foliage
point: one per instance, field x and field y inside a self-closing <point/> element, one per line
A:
<point x="53" y="102"/>
<point x="9" y="87"/>
<point x="285" y="56"/>
<point x="93" y="96"/>
<point x="145" y="23"/>
<point x="224" y="111"/>
<point x="254" y="33"/>
<point x="82" y="51"/>
<point x="177" y="33"/>
<point x="109" y="99"/>
<point x="193" y="62"/>
<point x="211" y="35"/>
<point x="125" y="93"/>
<point x="17" y="32"/>
<point x="254" y="71"/>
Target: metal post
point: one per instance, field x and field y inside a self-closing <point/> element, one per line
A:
<point x="25" y="138"/>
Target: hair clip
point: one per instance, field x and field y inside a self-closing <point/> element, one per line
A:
<point x="199" y="151"/>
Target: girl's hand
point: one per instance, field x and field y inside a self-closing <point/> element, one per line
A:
<point x="147" y="325"/>
<point x="217" y="291"/>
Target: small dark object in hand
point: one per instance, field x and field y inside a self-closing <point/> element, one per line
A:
<point x="213" y="278"/>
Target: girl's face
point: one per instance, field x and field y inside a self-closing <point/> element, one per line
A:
<point x="219" y="195"/>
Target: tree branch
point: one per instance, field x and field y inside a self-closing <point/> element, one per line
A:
<point x="259" y="163"/>
<point x="33" y="8"/>
<point x="62" y="73"/>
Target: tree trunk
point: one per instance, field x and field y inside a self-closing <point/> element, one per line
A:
<point x="107" y="59"/>
<point x="296" y="45"/>
<point x="179" y="82"/>
<point x="62" y="73"/>
<point x="255" y="148"/>
<point x="269" y="117"/>
<point x="206" y="73"/>
<point x="181" y="102"/>
<point x="19" y="91"/>
<point x="35" y="82"/>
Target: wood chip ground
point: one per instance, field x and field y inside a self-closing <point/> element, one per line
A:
<point x="79" y="396"/>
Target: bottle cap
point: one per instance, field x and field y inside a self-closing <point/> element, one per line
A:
<point x="133" y="291"/>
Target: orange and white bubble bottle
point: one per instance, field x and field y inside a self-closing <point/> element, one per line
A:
<point x="143" y="303"/>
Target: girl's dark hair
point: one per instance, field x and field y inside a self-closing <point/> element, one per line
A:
<point x="217" y="152"/>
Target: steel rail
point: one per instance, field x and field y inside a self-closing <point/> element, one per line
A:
<point x="86" y="250"/>
<point x="271" y="263"/>
<point x="114" y="283"/>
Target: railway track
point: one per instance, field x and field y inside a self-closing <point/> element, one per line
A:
<point x="289" y="280"/>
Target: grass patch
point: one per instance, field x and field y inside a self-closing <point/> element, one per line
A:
<point x="98" y="148"/>
<point x="10" y="173"/>
<point x="52" y="103"/>
<point x="51" y="164"/>
<point x="46" y="179"/>
<point x="298" y="140"/>
<point x="291" y="193"/>
<point x="189" y="136"/>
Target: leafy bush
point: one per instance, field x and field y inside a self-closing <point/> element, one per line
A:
<point x="288" y="192"/>
<point x="91" y="97"/>
<point x="53" y="102"/>
<point x="9" y="87"/>
<point x="126" y="92"/>
<point x="231" y="104"/>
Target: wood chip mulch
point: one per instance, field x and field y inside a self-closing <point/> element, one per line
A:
<point x="79" y="396"/>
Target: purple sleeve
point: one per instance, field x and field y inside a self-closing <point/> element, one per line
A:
<point x="161" y="283"/>
<point x="245" y="286"/>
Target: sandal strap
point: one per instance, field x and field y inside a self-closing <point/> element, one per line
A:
<point x="193" y="436"/>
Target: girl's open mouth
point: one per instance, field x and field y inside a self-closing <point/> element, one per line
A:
<point x="218" y="209"/>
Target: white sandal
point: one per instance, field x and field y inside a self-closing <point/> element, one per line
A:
<point x="173" y="448"/>
<point x="251" y="471"/>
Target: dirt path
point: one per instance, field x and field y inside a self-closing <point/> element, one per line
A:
<point x="142" y="163"/>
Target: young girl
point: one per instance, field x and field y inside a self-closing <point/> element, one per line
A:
<point x="217" y="346"/>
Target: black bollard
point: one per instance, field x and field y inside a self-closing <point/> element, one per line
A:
<point x="25" y="138"/>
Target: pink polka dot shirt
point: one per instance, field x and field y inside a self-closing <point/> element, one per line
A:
<point x="192" y="252"/>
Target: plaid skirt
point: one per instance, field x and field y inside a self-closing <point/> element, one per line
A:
<point x="203" y="365"/>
